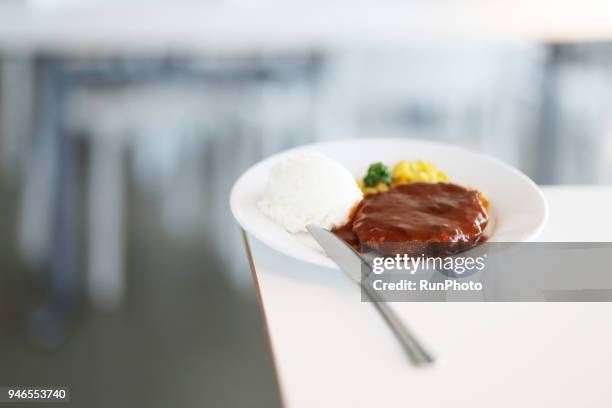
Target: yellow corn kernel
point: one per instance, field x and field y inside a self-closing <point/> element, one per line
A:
<point x="423" y="176"/>
<point x="398" y="182"/>
<point x="417" y="171"/>
<point x="400" y="170"/>
<point x="382" y="188"/>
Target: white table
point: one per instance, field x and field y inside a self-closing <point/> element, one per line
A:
<point x="331" y="350"/>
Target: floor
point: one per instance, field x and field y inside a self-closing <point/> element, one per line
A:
<point x="185" y="336"/>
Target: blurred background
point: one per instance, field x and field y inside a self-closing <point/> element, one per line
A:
<point x="123" y="126"/>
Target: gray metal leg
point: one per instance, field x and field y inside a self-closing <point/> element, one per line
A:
<point x="48" y="322"/>
<point x="105" y="272"/>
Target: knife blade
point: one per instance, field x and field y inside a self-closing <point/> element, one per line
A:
<point x="351" y="263"/>
<point x="339" y="251"/>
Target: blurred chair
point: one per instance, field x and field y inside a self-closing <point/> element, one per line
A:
<point x="212" y="118"/>
<point x="482" y="96"/>
<point x="582" y="107"/>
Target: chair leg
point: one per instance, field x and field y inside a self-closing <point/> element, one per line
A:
<point x="105" y="275"/>
<point x="48" y="322"/>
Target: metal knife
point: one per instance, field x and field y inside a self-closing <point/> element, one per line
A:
<point x="351" y="262"/>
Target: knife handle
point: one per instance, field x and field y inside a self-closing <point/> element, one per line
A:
<point x="417" y="354"/>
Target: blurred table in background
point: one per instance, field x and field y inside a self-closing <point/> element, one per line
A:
<point x="331" y="349"/>
<point x="230" y="26"/>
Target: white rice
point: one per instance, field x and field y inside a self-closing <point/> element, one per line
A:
<point x="309" y="188"/>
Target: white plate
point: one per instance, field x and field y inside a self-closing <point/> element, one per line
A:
<point x="518" y="209"/>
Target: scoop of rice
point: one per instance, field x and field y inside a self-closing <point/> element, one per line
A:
<point x="309" y="188"/>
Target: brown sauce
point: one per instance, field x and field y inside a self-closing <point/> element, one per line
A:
<point x="418" y="218"/>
